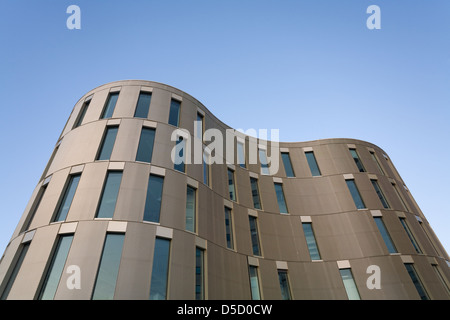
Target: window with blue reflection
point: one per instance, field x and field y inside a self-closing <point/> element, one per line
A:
<point x="199" y="274"/>
<point x="107" y="143"/>
<point x="287" y="164"/>
<point x="264" y="162"/>
<point x="311" y="241"/>
<point x="109" y="195"/>
<point x="229" y="228"/>
<point x="190" y="208"/>
<point x="359" y="203"/>
<point x="385" y="235"/>
<point x="231" y="185"/>
<point x="143" y="105"/>
<point x="255" y="193"/>
<point x="357" y="160"/>
<point x="110" y="105"/>
<point x="160" y="269"/>
<point x="315" y="171"/>
<point x="254" y="236"/>
<point x="241" y="154"/>
<point x="254" y="283"/>
<point x="153" y="200"/>
<point x="179" y="155"/>
<point x="12" y="277"/>
<point x="145" y="148"/>
<point x="67" y="197"/>
<point x="349" y="284"/>
<point x="416" y="281"/>
<point x="280" y="198"/>
<point x="284" y="285"/>
<point x="380" y="194"/>
<point x="410" y="235"/>
<point x="174" y="113"/>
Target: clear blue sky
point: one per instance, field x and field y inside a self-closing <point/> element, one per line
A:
<point x="315" y="63"/>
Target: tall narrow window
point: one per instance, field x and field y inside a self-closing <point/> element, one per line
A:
<point x="154" y="198"/>
<point x="410" y="235"/>
<point x="311" y="241"/>
<point x="359" y="203"/>
<point x="34" y="208"/>
<point x="380" y="194"/>
<point x="231" y="185"/>
<point x="405" y="207"/>
<point x="287" y="164"/>
<point x="255" y="193"/>
<point x="416" y="281"/>
<point x="105" y="284"/>
<point x="254" y="235"/>
<point x="160" y="270"/>
<point x="179" y="155"/>
<point x="206" y="168"/>
<point x="191" y="195"/>
<point x="280" y="198"/>
<point x="254" y="282"/>
<point x="143" y="105"/>
<point x="199" y="274"/>
<point x="67" y="196"/>
<point x="375" y="159"/>
<point x="441" y="278"/>
<point x="385" y="235"/>
<point x="315" y="171"/>
<point x="109" y="195"/>
<point x="349" y="284"/>
<point x="145" y="148"/>
<point x="56" y="268"/>
<point x="82" y="113"/>
<point x="107" y="144"/>
<point x="264" y="162"/>
<point x="241" y="154"/>
<point x="199" y="126"/>
<point x="110" y="105"/>
<point x="15" y="271"/>
<point x="357" y="160"/>
<point x="174" y="114"/>
<point x="284" y="285"/>
<point x="229" y="228"/>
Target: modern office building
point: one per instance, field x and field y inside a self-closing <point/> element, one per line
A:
<point x="113" y="217"/>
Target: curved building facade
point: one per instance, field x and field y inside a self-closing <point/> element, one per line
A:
<point x="113" y="217"/>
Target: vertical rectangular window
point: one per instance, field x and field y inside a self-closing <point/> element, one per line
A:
<point x="199" y="274"/>
<point x="145" y="148"/>
<point x="105" y="284"/>
<point x="416" y="281"/>
<point x="143" y="105"/>
<point x="67" y="196"/>
<point x="287" y="164"/>
<point x="349" y="284"/>
<point x="109" y="195"/>
<point x="82" y="113"/>
<point x="255" y="193"/>
<point x="263" y="160"/>
<point x="160" y="270"/>
<point x="231" y="185"/>
<point x="241" y="154"/>
<point x="15" y="271"/>
<point x="107" y="144"/>
<point x="191" y="208"/>
<point x="375" y="159"/>
<point x="359" y="203"/>
<point x="311" y="241"/>
<point x="441" y="278"/>
<point x="174" y="113"/>
<point x="229" y="228"/>
<point x="357" y="160"/>
<point x="206" y="168"/>
<point x="315" y="171"/>
<point x="385" y="235"/>
<point x="108" y="110"/>
<point x="56" y="268"/>
<point x="254" y="235"/>
<point x="199" y="126"/>
<point x="153" y="200"/>
<point x="254" y="282"/>
<point x="405" y="207"/>
<point x="410" y="235"/>
<point x="284" y="285"/>
<point x="34" y="208"/>
<point x="380" y="194"/>
<point x="280" y="198"/>
<point x="179" y="155"/>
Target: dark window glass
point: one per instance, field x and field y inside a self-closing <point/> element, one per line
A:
<point x="56" y="268"/>
<point x="179" y="155"/>
<point x="154" y="197"/>
<point x="12" y="277"/>
<point x="143" y="105"/>
<point x="254" y="235"/>
<point x="82" y="113"/>
<point x="174" y="114"/>
<point x="145" y="148"/>
<point x="199" y="274"/>
<point x="385" y="235"/>
<point x="107" y="143"/>
<point x="311" y="241"/>
<point x="312" y="163"/>
<point x="110" y="105"/>
<point x="359" y="203"/>
<point x="34" y="208"/>
<point x="190" y="208"/>
<point x="284" y="285"/>
<point x="255" y="193"/>
<point x="287" y="164"/>
<point x="206" y="169"/>
<point x="67" y="197"/>
<point x="416" y="280"/>
<point x="231" y="185"/>
<point x="160" y="270"/>
<point x="357" y="160"/>
<point x="105" y="284"/>
<point x="380" y="194"/>
<point x="229" y="228"/>
<point x="410" y="235"/>
<point x="375" y="159"/>
<point x="109" y="195"/>
<point x="280" y="198"/>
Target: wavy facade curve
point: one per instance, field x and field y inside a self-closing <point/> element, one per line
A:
<point x="112" y="217"/>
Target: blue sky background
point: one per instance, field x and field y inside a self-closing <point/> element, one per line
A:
<point x="310" y="68"/>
